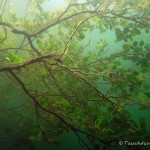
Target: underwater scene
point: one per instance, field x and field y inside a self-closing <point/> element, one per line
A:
<point x="74" y="75"/>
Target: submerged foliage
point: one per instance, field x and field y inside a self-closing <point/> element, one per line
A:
<point x="76" y="83"/>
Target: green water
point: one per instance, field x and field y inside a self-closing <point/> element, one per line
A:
<point x="16" y="98"/>
<point x="16" y="107"/>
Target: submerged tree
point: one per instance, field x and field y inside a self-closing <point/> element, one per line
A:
<point x="75" y="83"/>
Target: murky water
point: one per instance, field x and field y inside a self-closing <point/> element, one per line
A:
<point x="16" y="109"/>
